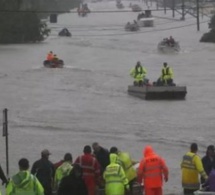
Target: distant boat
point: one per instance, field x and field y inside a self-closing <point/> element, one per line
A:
<point x="163" y="46"/>
<point x="53" y="64"/>
<point x="136" y="8"/>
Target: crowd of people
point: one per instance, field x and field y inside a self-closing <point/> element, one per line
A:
<point x="112" y="170"/>
<point x="139" y="74"/>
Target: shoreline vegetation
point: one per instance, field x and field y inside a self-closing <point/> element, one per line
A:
<point x="21" y="21"/>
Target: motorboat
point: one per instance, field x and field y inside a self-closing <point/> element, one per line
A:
<point x="150" y="92"/>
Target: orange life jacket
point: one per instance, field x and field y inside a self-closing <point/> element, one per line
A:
<point x="49" y="56"/>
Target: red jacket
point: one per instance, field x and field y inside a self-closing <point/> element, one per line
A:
<point x="152" y="169"/>
<point x="90" y="166"/>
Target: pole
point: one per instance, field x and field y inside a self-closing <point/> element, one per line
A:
<point x="197" y="15"/>
<point x="173" y="8"/>
<point x="182" y="7"/>
<point x="5" y="134"/>
<point x="164" y="2"/>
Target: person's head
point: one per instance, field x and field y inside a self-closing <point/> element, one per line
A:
<point x="165" y="64"/>
<point x="76" y="171"/>
<point x="210" y="151"/>
<point x="68" y="157"/>
<point x="148" y="151"/>
<point x="138" y="63"/>
<point x="87" y="149"/>
<point x="114" y="150"/>
<point x="45" y="153"/>
<point x="51" y="52"/>
<point x="194" y="147"/>
<point x="96" y="147"/>
<point x="170" y="37"/>
<point x="23" y="164"/>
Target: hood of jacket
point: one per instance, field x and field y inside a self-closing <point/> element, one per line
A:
<point x="113" y="158"/>
<point x="148" y="151"/>
<point x="22" y="179"/>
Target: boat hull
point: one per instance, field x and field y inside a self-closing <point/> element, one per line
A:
<point x="158" y="92"/>
<point x="51" y="64"/>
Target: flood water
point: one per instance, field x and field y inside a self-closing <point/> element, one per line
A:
<point x="87" y="101"/>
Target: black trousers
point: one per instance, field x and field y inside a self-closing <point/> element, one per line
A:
<point x="189" y="191"/>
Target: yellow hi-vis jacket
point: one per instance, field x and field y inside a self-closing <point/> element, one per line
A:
<point x="167" y="73"/>
<point x="115" y="179"/>
<point x="24" y="183"/>
<point x="126" y="162"/>
<point x="61" y="172"/>
<point x="191" y="167"/>
<point x="138" y="74"/>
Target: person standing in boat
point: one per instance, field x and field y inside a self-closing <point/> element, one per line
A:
<point x="152" y="171"/>
<point x="171" y="41"/>
<point x="139" y="74"/>
<point x="191" y="167"/>
<point x="166" y="77"/>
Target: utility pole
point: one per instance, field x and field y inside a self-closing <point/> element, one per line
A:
<point x="5" y="134"/>
<point x="197" y="15"/>
<point x="173" y="8"/>
<point x="164" y="3"/>
<point x="183" y="7"/>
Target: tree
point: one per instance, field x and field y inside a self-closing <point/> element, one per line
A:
<point x="20" y="26"/>
<point x="210" y="36"/>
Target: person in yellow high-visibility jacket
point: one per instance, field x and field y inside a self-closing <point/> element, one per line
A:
<point x="191" y="167"/>
<point x="24" y="183"/>
<point x="63" y="170"/>
<point x="124" y="159"/>
<point x="166" y="74"/>
<point x="115" y="179"/>
<point x="139" y="74"/>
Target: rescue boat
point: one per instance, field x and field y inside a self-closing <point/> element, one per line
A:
<point x="53" y="64"/>
<point x="158" y="92"/>
<point x="164" y="47"/>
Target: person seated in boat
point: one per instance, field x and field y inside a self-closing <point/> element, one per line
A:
<point x="135" y="22"/>
<point x="166" y="77"/>
<point x="65" y="30"/>
<point x="50" y="56"/>
<point x="139" y="74"/>
<point x="55" y="58"/>
<point x="166" y="41"/>
<point x="171" y="41"/>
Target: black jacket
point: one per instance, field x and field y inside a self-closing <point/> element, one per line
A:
<point x="103" y="158"/>
<point x="44" y="170"/>
<point x="2" y="176"/>
<point x="207" y="163"/>
<point x="72" y="185"/>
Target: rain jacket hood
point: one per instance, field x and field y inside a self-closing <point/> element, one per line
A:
<point x="148" y="151"/>
<point x="22" y="179"/>
<point x="113" y="158"/>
